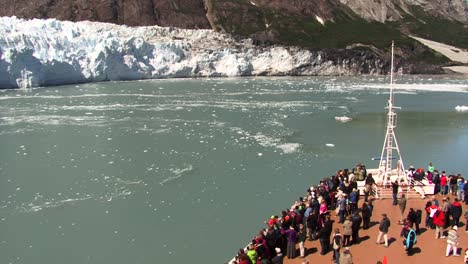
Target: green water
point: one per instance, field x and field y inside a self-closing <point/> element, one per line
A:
<point x="178" y="171"/>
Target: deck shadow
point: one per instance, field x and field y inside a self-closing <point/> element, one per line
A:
<point x="415" y="250"/>
<point x="364" y="238"/>
<point x="310" y="251"/>
<point x="372" y="223"/>
<point x="422" y="230"/>
<point x="391" y="240"/>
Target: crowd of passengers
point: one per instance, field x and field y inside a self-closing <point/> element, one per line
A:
<point x="309" y="218"/>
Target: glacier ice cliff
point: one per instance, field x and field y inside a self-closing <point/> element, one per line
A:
<point x="50" y="52"/>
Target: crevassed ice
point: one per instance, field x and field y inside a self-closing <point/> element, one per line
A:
<point x="51" y="52"/>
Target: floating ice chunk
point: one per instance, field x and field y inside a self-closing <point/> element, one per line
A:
<point x="289" y="147"/>
<point x="330" y="145"/>
<point x="343" y="119"/>
<point x="461" y="108"/>
<point x="259" y="154"/>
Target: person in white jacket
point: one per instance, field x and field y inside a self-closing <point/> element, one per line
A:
<point x="452" y="242"/>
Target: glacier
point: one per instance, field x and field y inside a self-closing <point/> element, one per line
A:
<point x="37" y="52"/>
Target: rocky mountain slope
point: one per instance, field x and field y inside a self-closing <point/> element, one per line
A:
<point x="177" y="13"/>
<point x="311" y="23"/>
<point x="316" y="24"/>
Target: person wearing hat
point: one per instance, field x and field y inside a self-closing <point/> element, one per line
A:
<point x="383" y="230"/>
<point x="452" y="242"/>
<point x="346" y="257"/>
<point x="278" y="259"/>
<point x="341" y="206"/>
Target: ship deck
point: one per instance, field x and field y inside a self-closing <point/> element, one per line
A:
<point x="427" y="250"/>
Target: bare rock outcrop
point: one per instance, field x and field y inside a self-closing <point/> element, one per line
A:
<point x="178" y="13"/>
<point x="394" y="10"/>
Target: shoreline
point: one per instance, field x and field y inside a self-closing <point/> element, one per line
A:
<point x="449" y="73"/>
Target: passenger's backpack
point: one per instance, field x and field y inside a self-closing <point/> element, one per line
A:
<point x="411" y="233"/>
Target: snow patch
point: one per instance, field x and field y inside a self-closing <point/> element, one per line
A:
<point x="320" y="20"/>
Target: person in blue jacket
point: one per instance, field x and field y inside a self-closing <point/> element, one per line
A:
<point x="409" y="238"/>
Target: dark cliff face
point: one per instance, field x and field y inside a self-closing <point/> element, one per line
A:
<point x="178" y="13"/>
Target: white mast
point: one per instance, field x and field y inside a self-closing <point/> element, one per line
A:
<point x="390" y="142"/>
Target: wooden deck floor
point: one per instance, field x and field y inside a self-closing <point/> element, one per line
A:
<point x="428" y="249"/>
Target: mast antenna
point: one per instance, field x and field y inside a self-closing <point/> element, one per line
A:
<point x="386" y="170"/>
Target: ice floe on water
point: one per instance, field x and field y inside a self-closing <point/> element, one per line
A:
<point x="32" y="207"/>
<point x="177" y="173"/>
<point x="330" y="145"/>
<point x="461" y="108"/>
<point x="55" y="120"/>
<point x="400" y="88"/>
<point x="267" y="141"/>
<point x="289" y="147"/>
<point x="343" y="119"/>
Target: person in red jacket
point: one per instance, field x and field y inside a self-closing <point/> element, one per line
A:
<point x="443" y="184"/>
<point x="439" y="221"/>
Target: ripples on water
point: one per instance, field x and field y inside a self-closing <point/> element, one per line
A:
<point x="169" y="169"/>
